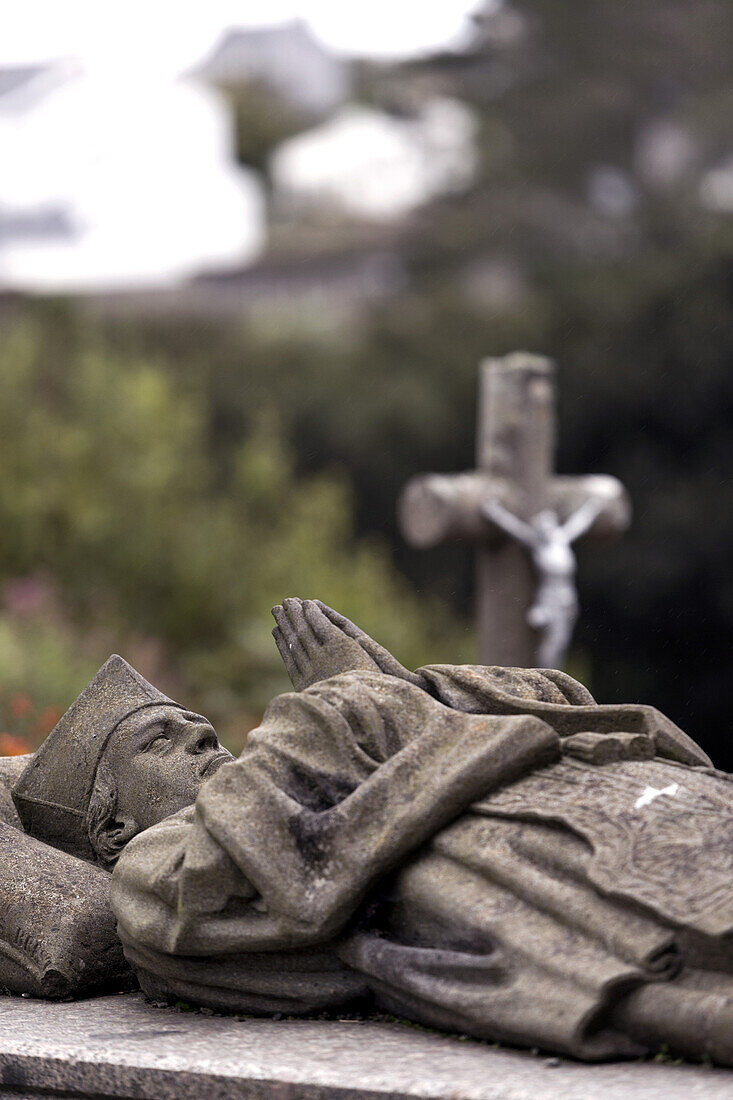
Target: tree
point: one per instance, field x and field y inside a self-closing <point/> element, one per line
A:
<point x="110" y="491"/>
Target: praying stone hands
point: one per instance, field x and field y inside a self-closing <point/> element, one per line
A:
<point x="316" y="642"/>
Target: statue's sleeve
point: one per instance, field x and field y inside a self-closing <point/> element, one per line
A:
<point x="332" y="791"/>
<point x="560" y="701"/>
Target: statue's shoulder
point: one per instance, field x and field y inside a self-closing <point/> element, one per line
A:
<point x="11" y="769"/>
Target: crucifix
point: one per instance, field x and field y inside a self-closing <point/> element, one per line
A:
<point x="522" y="518"/>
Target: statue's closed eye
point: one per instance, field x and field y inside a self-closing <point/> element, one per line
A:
<point x="158" y="742"/>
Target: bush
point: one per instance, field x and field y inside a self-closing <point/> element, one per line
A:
<point x="111" y="494"/>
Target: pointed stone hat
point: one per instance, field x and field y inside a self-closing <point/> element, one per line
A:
<point x="53" y="793"/>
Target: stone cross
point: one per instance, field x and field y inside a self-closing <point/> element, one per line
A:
<point x="514" y="478"/>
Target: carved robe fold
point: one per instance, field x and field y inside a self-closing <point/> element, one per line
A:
<point x="490" y="853"/>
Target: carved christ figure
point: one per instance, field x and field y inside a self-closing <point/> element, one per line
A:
<point x="480" y="849"/>
<point x="554" y="610"/>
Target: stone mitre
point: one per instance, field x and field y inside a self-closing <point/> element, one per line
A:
<point x="53" y="793"/>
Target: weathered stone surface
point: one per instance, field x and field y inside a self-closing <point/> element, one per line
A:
<point x="112" y="726"/>
<point x="122" y="1047"/>
<point x="57" y="929"/>
<point x="122" y="757"/>
<point x="483" y="850"/>
<point x="11" y="768"/>
<point x="478" y="849"/>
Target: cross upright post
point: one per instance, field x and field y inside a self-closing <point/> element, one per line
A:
<point x="516" y="437"/>
<point x="514" y="459"/>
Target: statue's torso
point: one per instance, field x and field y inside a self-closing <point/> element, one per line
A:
<point x="659" y="834"/>
<point x="604" y="866"/>
<point x="525" y="914"/>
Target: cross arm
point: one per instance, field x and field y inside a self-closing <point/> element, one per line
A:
<point x="595" y="505"/>
<point x="582" y="519"/>
<point x="438" y="508"/>
<point x="512" y="525"/>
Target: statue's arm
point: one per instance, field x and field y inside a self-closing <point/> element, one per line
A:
<point x="258" y="868"/>
<point x="316" y="641"/>
<point x="327" y="642"/>
<point x="451" y="761"/>
<point x="509" y="523"/>
<point x="582" y="519"/>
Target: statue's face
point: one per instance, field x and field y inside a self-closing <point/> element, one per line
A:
<point x="160" y="757"/>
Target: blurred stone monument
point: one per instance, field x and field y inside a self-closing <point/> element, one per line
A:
<point x="523" y="518"/>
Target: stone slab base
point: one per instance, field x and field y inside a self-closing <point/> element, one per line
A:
<point x="123" y="1047"/>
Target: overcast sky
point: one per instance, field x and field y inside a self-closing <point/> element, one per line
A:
<point x="81" y="148"/>
<point x="174" y="34"/>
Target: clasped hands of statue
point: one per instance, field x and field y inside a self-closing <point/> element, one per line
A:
<point x="316" y="642"/>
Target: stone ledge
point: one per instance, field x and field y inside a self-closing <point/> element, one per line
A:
<point x="123" y="1047"/>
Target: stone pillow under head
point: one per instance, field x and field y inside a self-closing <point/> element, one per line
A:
<point x="57" y="930"/>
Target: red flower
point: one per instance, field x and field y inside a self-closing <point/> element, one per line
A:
<point x="13" y="746"/>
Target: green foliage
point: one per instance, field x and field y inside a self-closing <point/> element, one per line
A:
<point x="110" y="490"/>
<point x="159" y="489"/>
<point x="39" y="661"/>
<point x="643" y="348"/>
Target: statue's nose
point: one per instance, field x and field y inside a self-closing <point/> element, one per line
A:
<point x="199" y="739"/>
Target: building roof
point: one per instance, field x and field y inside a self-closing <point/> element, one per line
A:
<point x="22" y="86"/>
<point x="287" y="57"/>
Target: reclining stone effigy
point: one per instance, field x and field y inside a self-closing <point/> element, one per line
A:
<point x="480" y="849"/>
